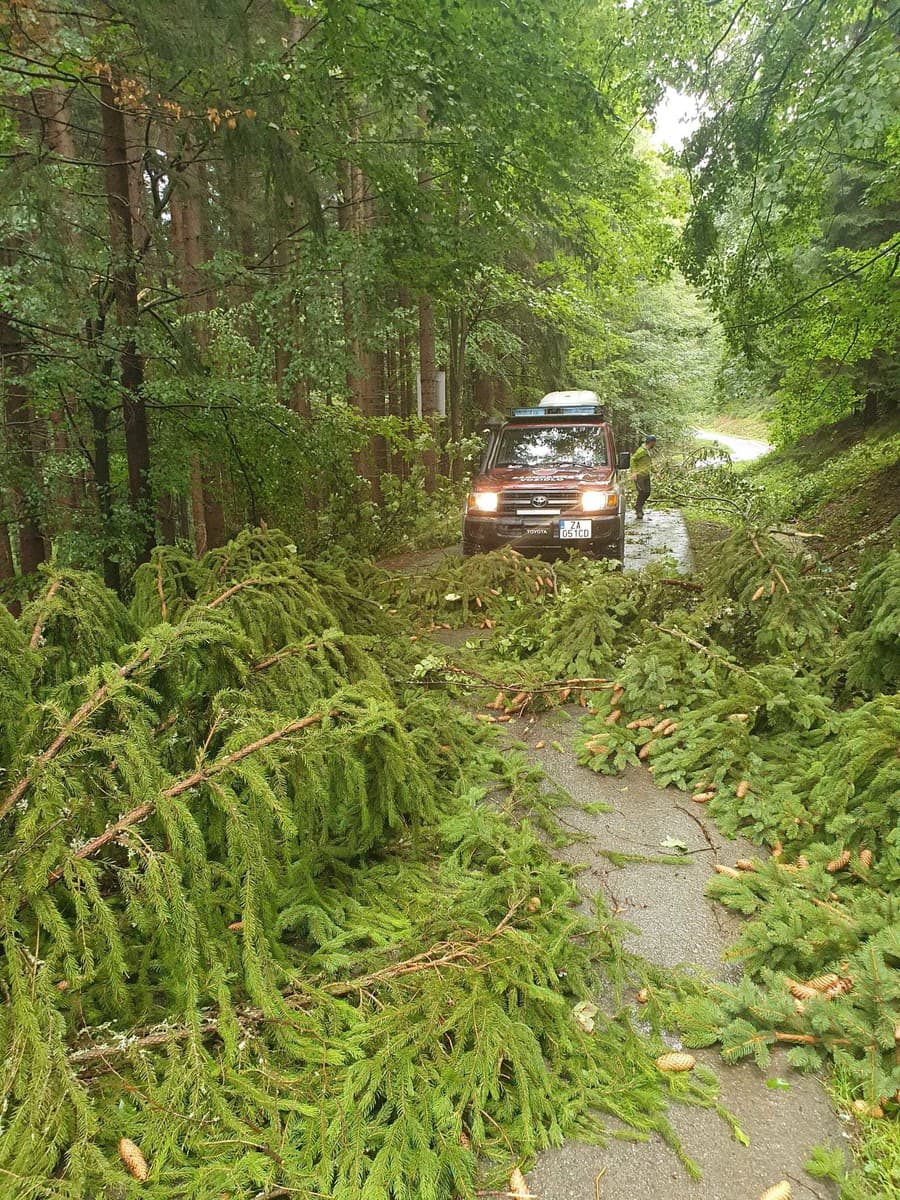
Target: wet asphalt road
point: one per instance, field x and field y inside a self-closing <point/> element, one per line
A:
<point x="675" y="925"/>
<point x="662" y="534"/>
<point x="740" y="449"/>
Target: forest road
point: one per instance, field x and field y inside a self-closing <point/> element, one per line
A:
<point x="783" y="1113"/>
<point x="675" y="924"/>
<point x="741" y="449"/>
<point x="662" y="534"/>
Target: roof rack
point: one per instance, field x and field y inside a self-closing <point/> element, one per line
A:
<point x="563" y="411"/>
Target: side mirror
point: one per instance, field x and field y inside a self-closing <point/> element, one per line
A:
<point x="623" y="460"/>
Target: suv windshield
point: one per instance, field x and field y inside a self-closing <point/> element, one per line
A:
<point x="552" y="446"/>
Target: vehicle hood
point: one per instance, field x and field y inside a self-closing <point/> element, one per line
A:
<point x="501" y="478"/>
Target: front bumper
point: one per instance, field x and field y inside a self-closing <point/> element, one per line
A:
<point x="539" y="536"/>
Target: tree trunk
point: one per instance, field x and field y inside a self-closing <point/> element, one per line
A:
<point x="165" y="518"/>
<point x="428" y="385"/>
<point x="198" y="509"/>
<point x="365" y="380"/>
<point x="189" y="246"/>
<point x="213" y="509"/>
<point x="52" y="108"/>
<point x="25" y="485"/>
<point x="455" y="385"/>
<point x="7" y="566"/>
<point x="100" y="421"/>
<point x="121" y="230"/>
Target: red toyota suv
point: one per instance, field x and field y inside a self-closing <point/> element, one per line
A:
<point x="549" y="482"/>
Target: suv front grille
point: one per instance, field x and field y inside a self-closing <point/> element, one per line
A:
<point x="512" y="502"/>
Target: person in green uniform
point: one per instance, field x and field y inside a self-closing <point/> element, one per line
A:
<point x="641" y="463"/>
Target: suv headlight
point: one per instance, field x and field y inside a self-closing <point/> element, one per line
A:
<point x="593" y="501"/>
<point x="485" y="502"/>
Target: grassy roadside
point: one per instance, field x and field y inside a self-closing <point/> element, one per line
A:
<point x="842" y="485"/>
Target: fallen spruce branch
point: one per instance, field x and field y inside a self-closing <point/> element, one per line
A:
<point x="587" y="684"/>
<point x="863" y="541"/>
<point x="718" y="658"/>
<point x="143" y="811"/>
<point x="687" y="584"/>
<point x="438" y="956"/>
<point x="82" y="714"/>
<point x="96" y="701"/>
<point x="38" y="630"/>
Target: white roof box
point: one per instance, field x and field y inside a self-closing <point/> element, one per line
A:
<point x="574" y="399"/>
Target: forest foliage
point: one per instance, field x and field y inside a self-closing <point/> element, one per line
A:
<point x="235" y="237"/>
<point x="793" y="230"/>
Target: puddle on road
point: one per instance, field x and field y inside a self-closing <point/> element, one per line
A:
<point x="662" y="534"/>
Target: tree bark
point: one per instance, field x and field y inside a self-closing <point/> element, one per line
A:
<point x="52" y="108"/>
<point x="428" y="385"/>
<point x="456" y="384"/>
<point x="100" y="422"/>
<point x="7" y="566"/>
<point x="121" y="230"/>
<point x="189" y="246"/>
<point x="198" y="509"/>
<point x="25" y="486"/>
<point x="365" y="379"/>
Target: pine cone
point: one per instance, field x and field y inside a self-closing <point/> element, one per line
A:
<point x="742" y="789"/>
<point x="745" y="864"/>
<point x="868" y="1110"/>
<point x="839" y="988"/>
<point x="644" y="752"/>
<point x="702" y="797"/>
<point x="721" y="869"/>
<point x="758" y="593"/>
<point x="865" y="857"/>
<point x="676" y="1060"/>
<point x="801" y="991"/>
<point x="838" y="864"/>
<point x="823" y="982"/>
<point x="518" y="1187"/>
<point x="614" y="716"/>
<point x="135" y="1163"/>
<point x="781" y="1191"/>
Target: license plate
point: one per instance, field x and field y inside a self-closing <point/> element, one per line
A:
<point x="569" y="530"/>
